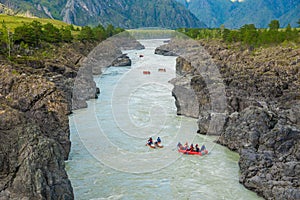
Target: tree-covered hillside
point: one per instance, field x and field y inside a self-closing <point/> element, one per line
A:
<point x="21" y="36"/>
<point x="249" y="36"/>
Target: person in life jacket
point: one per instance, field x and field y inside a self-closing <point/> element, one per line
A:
<point x="197" y="148"/>
<point x="158" y="140"/>
<point x="150" y="141"/>
<point x="203" y="148"/>
<point x="191" y="148"/>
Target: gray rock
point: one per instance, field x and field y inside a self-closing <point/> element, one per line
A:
<point x="123" y="60"/>
<point x="34" y="133"/>
<point x="185" y="98"/>
<point x="262" y="109"/>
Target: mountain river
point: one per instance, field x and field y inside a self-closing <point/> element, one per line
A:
<point x="109" y="159"/>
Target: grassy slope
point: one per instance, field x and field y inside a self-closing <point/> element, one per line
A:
<point x="14" y="21"/>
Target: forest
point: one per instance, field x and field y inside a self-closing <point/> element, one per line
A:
<point x="37" y="35"/>
<point x="248" y="34"/>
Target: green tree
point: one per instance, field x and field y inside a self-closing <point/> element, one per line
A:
<point x="51" y="34"/>
<point x="118" y="30"/>
<point x="29" y="33"/>
<point x="274" y="37"/>
<point x="298" y="22"/>
<point x="37" y="31"/>
<point x="86" y="34"/>
<point x="6" y="38"/>
<point x="288" y="28"/>
<point x="66" y="34"/>
<point x="71" y="27"/>
<point x="226" y="35"/>
<point x="110" y="30"/>
<point x="99" y="33"/>
<point x="274" y="25"/>
<point x="249" y="34"/>
<point x="288" y="32"/>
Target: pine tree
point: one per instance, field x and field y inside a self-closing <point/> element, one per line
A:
<point x="110" y="30"/>
<point x="29" y="33"/>
<point x="51" y="34"/>
<point x="274" y="25"/>
<point x="249" y="34"/>
<point x="86" y="34"/>
<point x="66" y="34"/>
<point x="100" y="33"/>
<point x="6" y="38"/>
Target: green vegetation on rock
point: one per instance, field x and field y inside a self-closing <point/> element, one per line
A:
<point x="18" y="36"/>
<point x="248" y="34"/>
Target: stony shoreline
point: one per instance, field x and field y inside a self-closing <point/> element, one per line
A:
<point x="261" y="118"/>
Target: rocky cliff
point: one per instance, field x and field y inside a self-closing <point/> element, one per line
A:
<point x="261" y="119"/>
<point x="34" y="138"/>
<point x="37" y="93"/>
<point x="107" y="53"/>
<point x="35" y="100"/>
<point x="263" y="90"/>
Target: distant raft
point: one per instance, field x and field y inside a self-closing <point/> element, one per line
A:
<point x="147" y="72"/>
<point x="162" y="70"/>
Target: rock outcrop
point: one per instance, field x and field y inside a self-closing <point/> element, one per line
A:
<point x="105" y="54"/>
<point x="263" y="96"/>
<point x="198" y="89"/>
<point x="123" y="60"/>
<point x="262" y="90"/>
<point x="35" y="101"/>
<point x="36" y="97"/>
<point x="34" y="133"/>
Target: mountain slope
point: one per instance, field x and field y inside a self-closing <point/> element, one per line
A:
<point x="122" y="13"/>
<point x="293" y="14"/>
<point x="40" y="8"/>
<point x="211" y="12"/>
<point x="235" y="14"/>
<point x="130" y="13"/>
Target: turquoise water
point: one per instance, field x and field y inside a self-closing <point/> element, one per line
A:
<point x="109" y="159"/>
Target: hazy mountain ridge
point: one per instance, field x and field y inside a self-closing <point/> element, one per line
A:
<point x="39" y="8"/>
<point x="235" y="14"/>
<point x="122" y="13"/>
<point x="130" y="13"/>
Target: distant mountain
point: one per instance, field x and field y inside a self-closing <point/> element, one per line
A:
<point x="211" y="12"/>
<point x="39" y="8"/>
<point x="234" y="14"/>
<point x="122" y="13"/>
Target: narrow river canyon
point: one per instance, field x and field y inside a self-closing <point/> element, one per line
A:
<point x="109" y="159"/>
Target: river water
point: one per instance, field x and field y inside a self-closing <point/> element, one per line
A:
<point x="109" y="159"/>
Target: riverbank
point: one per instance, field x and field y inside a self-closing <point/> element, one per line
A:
<point x="260" y="117"/>
<point x="36" y="97"/>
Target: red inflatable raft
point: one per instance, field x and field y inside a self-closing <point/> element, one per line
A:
<point x="193" y="152"/>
